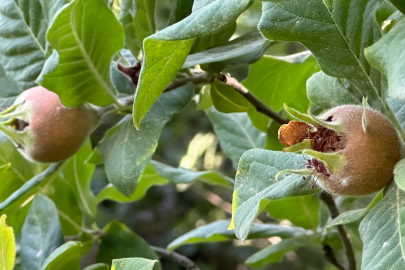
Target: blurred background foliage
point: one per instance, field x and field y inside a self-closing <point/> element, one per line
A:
<point x="169" y="211"/>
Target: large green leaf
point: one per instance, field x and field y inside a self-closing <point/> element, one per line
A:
<point x="182" y="176"/>
<point x="255" y="185"/>
<point x="137" y="17"/>
<point x="120" y="242"/>
<point x="22" y="38"/>
<point x="135" y="263"/>
<point x="9" y="89"/>
<point x="242" y="50"/>
<point x="86" y="35"/>
<point x="279" y="80"/>
<point x="65" y="257"/>
<point x="126" y="151"/>
<point x="218" y="231"/>
<point x="382" y="232"/>
<point x="328" y="92"/>
<point x="166" y="51"/>
<point x="236" y="133"/>
<point x="157" y="173"/>
<point x="353" y="215"/>
<point x="301" y="211"/>
<point x="61" y="192"/>
<point x="7" y="245"/>
<point x="41" y="233"/>
<point x="79" y="175"/>
<point x="335" y="31"/>
<point x="399" y="174"/>
<point x="274" y="253"/>
<point x="387" y="56"/>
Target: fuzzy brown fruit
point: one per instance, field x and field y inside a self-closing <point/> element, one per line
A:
<point x="46" y="131"/>
<point x="370" y="152"/>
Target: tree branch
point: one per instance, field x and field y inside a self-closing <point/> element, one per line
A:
<point x="330" y="257"/>
<point x="259" y="105"/>
<point x="36" y="180"/>
<point x="176" y="257"/>
<point x="344" y="236"/>
<point x="198" y="78"/>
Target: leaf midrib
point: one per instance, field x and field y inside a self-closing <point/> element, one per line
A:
<point x="87" y="59"/>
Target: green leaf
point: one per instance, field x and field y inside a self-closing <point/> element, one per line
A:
<point x="399" y="4"/>
<point x="387" y="56"/>
<point x="283" y="79"/>
<point x="86" y="35"/>
<point x="67" y="256"/>
<point x="354" y="215"/>
<point x="138" y="20"/>
<point x="41" y="233"/>
<point x="399" y="174"/>
<point x="382" y="232"/>
<point x="148" y="179"/>
<point x="126" y="151"/>
<point x="226" y="99"/>
<point x="61" y="192"/>
<point x="157" y="72"/>
<point x="166" y="51"/>
<point x="157" y="173"/>
<point x="98" y="266"/>
<point x="255" y="185"/>
<point x="7" y="245"/>
<point x="245" y="49"/>
<point x="274" y="253"/>
<point x="328" y="92"/>
<point x="182" y="176"/>
<point x="236" y="133"/>
<point x="218" y="231"/>
<point x="121" y="82"/>
<point x="9" y="89"/>
<point x="120" y="242"/>
<point x="301" y="211"/>
<point x="144" y="21"/>
<point x="22" y="34"/>
<point x="127" y="16"/>
<point x="335" y="32"/>
<point x="214" y="39"/>
<point x="79" y="175"/>
<point x="135" y="263"/>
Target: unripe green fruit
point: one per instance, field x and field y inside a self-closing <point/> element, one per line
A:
<point x="45" y="130"/>
<point x="353" y="154"/>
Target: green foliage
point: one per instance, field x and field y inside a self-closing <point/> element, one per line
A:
<point x="86" y="35"/>
<point x="135" y="263"/>
<point x="41" y="233"/>
<point x="166" y="51"/>
<point x="130" y="168"/>
<point x="7" y="245"/>
<point x="120" y="242"/>
<point x="262" y="166"/>
<point x="124" y="145"/>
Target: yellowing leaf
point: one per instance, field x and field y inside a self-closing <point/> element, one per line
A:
<point x="7" y="245"/>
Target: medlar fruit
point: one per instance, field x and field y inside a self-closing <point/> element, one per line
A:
<point x="353" y="149"/>
<point x="43" y="129"/>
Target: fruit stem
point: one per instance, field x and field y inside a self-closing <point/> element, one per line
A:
<point x="344" y="236"/>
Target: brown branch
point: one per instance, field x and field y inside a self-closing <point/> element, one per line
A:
<point x="198" y="78"/>
<point x="176" y="257"/>
<point x="344" y="236"/>
<point x="330" y="257"/>
<point x="259" y="105"/>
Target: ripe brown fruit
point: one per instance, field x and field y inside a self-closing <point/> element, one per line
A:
<point x="46" y="131"/>
<point x="370" y="151"/>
